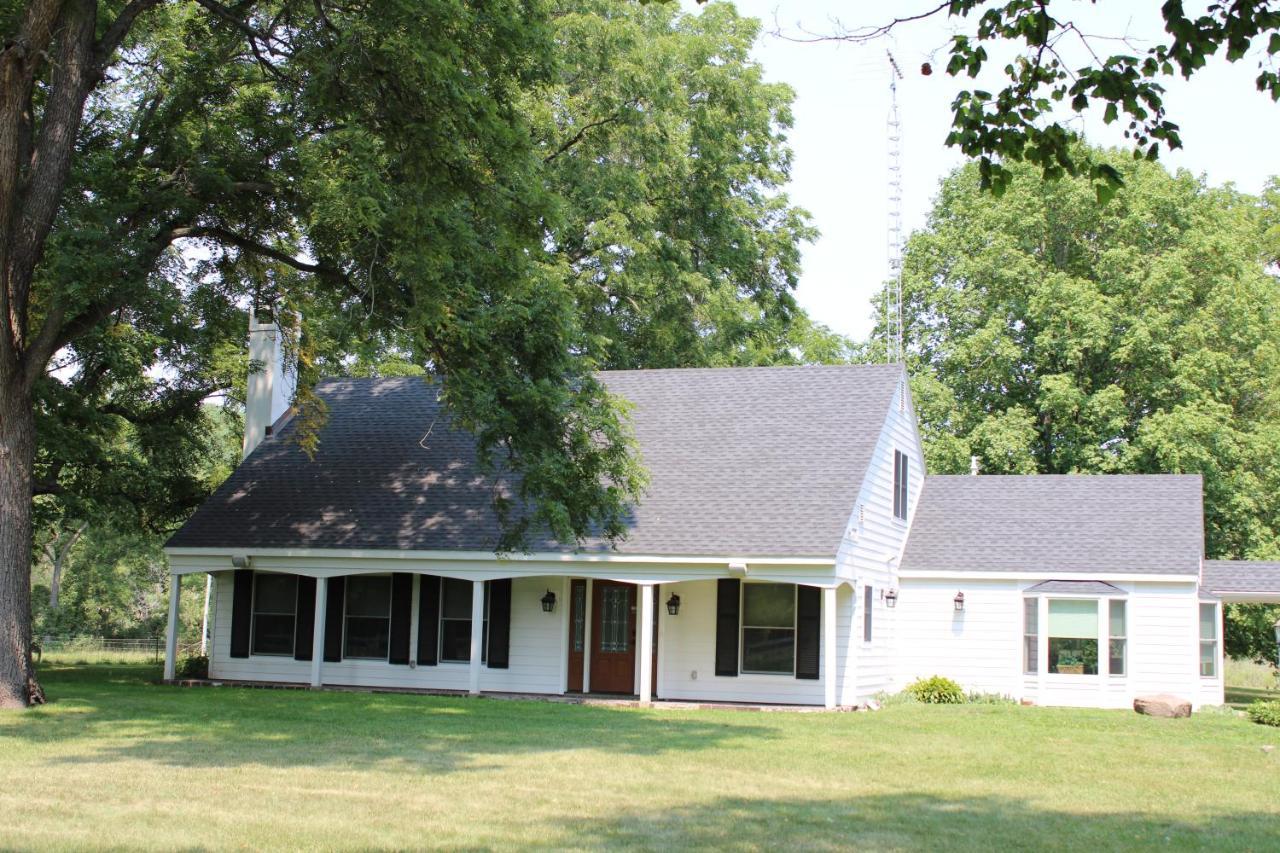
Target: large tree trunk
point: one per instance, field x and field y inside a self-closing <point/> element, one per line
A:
<point x="18" y="685"/>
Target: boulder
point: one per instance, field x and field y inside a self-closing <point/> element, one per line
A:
<point x="1162" y="705"/>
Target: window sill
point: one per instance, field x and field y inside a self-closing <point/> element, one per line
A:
<point x="775" y="674"/>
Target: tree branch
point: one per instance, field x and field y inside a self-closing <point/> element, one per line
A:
<point x="577" y="137"/>
<point x="118" y="29"/>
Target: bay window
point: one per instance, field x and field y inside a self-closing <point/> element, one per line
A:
<point x="1119" y="637"/>
<point x="1073" y="636"/>
<point x="1208" y="640"/>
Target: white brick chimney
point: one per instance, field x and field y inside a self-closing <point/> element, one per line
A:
<point x="271" y="382"/>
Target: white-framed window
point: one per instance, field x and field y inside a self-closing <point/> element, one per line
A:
<point x="367" y="621"/>
<point x="901" y="476"/>
<point x="1030" y="636"/>
<point x="275" y="613"/>
<point x="769" y="628"/>
<point x="455" y="621"/>
<point x="1118" y="636"/>
<point x="1073" y="636"/>
<point x="1208" y="640"/>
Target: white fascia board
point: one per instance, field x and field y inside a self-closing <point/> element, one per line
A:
<point x="1128" y="577"/>
<point x="480" y="565"/>
<point x="1247" y="597"/>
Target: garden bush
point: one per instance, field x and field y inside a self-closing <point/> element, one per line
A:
<point x="1265" y="712"/>
<point x="937" y="690"/>
<point x="193" y="666"/>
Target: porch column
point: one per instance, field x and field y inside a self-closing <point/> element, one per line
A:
<point x="829" y="646"/>
<point x="644" y="654"/>
<point x="171" y="632"/>
<point x="477" y="636"/>
<point x="317" y="632"/>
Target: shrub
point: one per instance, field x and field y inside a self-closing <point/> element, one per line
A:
<point x="1265" y="712"/>
<point x="937" y="690"/>
<point x="193" y="666"/>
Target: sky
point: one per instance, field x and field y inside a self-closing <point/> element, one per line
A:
<point x="1230" y="132"/>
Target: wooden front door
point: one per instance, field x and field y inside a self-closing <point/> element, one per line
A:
<point x="613" y="637"/>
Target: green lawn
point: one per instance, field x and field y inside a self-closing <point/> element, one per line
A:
<point x="115" y="761"/>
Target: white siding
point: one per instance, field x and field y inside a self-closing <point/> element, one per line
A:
<point x="981" y="647"/>
<point x="870" y="551"/>
<point x="687" y="657"/>
<point x="535" y="660"/>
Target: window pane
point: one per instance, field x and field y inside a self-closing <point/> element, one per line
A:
<point x="1031" y="616"/>
<point x="272" y="634"/>
<point x="275" y="593"/>
<point x="366" y="637"/>
<point x="457" y="599"/>
<point x="1073" y="618"/>
<point x="769" y="605"/>
<point x="1117" y="619"/>
<point x="768" y="650"/>
<point x="369" y="596"/>
<point x="455" y="640"/>
<point x="1073" y="656"/>
<point x="866" y="614"/>
<point x="1208" y="658"/>
<point x="1118" y="648"/>
<point x="1208" y="621"/>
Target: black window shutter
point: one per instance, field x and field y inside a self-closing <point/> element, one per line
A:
<point x="241" y="613"/>
<point x="401" y="616"/>
<point x="334" y="605"/>
<point x="499" y="623"/>
<point x="305" y="624"/>
<point x="728" y="603"/>
<point x="808" y="630"/>
<point x="428" y="620"/>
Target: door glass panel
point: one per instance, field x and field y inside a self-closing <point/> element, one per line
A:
<point x="615" y="619"/>
<point x="579" y="614"/>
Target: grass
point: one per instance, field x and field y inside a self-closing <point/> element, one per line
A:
<point x="117" y="761"/>
<point x="1248" y="681"/>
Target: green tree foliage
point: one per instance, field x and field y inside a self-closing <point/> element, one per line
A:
<point x="1250" y="631"/>
<point x="667" y="152"/>
<point x="1047" y="333"/>
<point x="1022" y="121"/>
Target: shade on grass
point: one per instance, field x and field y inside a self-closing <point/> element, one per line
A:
<point x="117" y="761"/>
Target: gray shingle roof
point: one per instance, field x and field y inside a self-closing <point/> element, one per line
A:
<point x="1077" y="588"/>
<point x="1095" y="524"/>
<point x="1241" y="576"/>
<point x="742" y="462"/>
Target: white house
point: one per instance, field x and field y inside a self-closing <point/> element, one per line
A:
<point x="790" y="549"/>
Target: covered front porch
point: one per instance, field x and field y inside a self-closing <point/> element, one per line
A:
<point x="762" y="632"/>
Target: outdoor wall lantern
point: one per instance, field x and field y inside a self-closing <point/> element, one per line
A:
<point x="891" y="598"/>
<point x="673" y="607"/>
<point x="959" y="601"/>
<point x="549" y="602"/>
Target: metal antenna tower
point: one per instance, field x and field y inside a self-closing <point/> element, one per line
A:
<point x="893" y="290"/>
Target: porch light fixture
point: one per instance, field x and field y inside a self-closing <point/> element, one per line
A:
<point x="959" y="601"/>
<point x="891" y="598"/>
<point x="673" y="607"/>
<point x="549" y="602"/>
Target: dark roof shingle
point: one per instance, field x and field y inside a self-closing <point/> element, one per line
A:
<point x="1095" y="524"/>
<point x="742" y="462"/>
